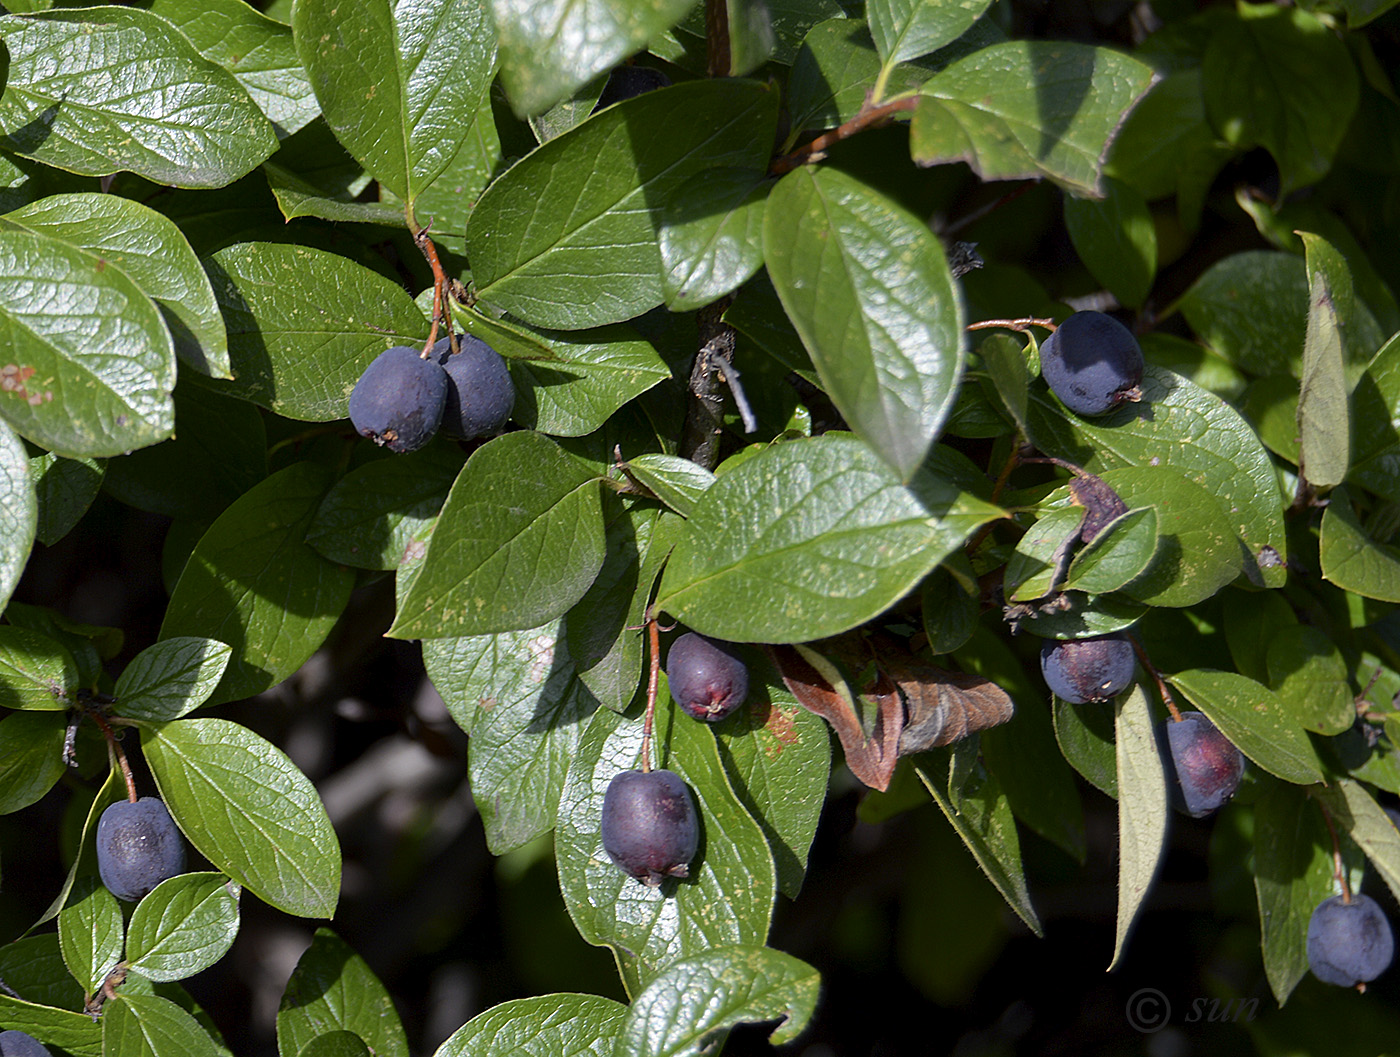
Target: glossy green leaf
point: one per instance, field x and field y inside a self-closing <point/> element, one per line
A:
<point x="336" y="1044"/>
<point x="543" y="1026"/>
<point x="1027" y="109"/>
<point x="381" y="513"/>
<point x="33" y="968"/>
<point x="107" y="89"/>
<point x="519" y="541"/>
<point x="817" y="535"/>
<point x="137" y="1025"/>
<point x="75" y="1033"/>
<point x="257" y="50"/>
<point x="185" y="924"/>
<point x="425" y="62"/>
<point x="254" y="584"/>
<point x="108" y="793"/>
<point x="90" y="934"/>
<point x="1118" y="555"/>
<point x="567" y="384"/>
<point x="522" y="744"/>
<point x="36" y="672"/>
<point x="1293" y="873"/>
<point x="31" y="757"/>
<point x="868" y="290"/>
<point x="567" y="237"/>
<point x="90" y="363"/>
<point x="298" y="198"/>
<point x="1004" y="358"/>
<point x="332" y="989"/>
<point x="1324" y="413"/>
<point x="835" y="71"/>
<point x="1032" y="564"/>
<point x="1309" y="673"/>
<point x="1087" y="736"/>
<point x="65" y="489"/>
<point x="151" y="250"/>
<point x="19" y="511"/>
<point x="550" y="49"/>
<point x="677" y="482"/>
<point x="1282" y="80"/>
<point x="1252" y="309"/>
<point x="248" y="810"/>
<point x="170" y="678"/>
<point x="303" y="325"/>
<point x="1181" y="426"/>
<point x="972" y="800"/>
<point x="1115" y="238"/>
<point x="751" y="36"/>
<point x="1355" y="812"/>
<point x="728" y="897"/>
<point x="777" y="756"/>
<point x="908" y="29"/>
<point x="723" y="987"/>
<point x="1142" y="810"/>
<point x="1254" y="718"/>
<point x="1353" y="561"/>
<point x="711" y="236"/>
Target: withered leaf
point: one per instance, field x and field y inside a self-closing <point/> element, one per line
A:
<point x="944" y="707"/>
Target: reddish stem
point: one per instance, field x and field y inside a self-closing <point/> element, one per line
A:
<point x="1157" y="678"/>
<point x="114" y="747"/>
<point x="1338" y="869"/>
<point x="425" y="244"/>
<point x="1023" y="324"/>
<point x="653" y="680"/>
<point x="872" y="117"/>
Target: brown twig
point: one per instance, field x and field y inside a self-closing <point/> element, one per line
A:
<point x="871" y="117"/>
<point x="653" y="680"/>
<point x="1338" y="867"/>
<point x="716" y="38"/>
<point x="1024" y="324"/>
<point x="425" y="244"/>
<point x="115" y="750"/>
<point x="1166" y="694"/>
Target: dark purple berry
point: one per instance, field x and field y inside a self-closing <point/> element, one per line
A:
<point x="707" y="678"/>
<point x="1092" y="363"/>
<point x="1349" y="943"/>
<point x="1084" y="670"/>
<point x="398" y="401"/>
<point x="17" y="1044"/>
<point x="138" y="847"/>
<point x="480" y="393"/>
<point x="649" y="826"/>
<point x="1203" y="766"/>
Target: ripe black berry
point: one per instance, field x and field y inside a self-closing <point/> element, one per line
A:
<point x="17" y="1044"/>
<point x="398" y="401"/>
<point x="707" y="678"/>
<point x="1084" y="670"/>
<point x="138" y="847"/>
<point x="480" y="393"/>
<point x="1203" y="767"/>
<point x="649" y="827"/>
<point x="1092" y="363"/>
<point x="1349" y="943"/>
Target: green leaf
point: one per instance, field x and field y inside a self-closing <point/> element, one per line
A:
<point x="64" y="489"/>
<point x="31" y="757"/>
<point x="696" y="997"/>
<point x="332" y="989"/>
<point x="1293" y="873"/>
<point x="1118" y="555"/>
<point x="568" y="384"/>
<point x="304" y="324"/>
<point x="254" y="584"/>
<point x="136" y="1025"/>
<point x="1354" y="810"/>
<point x="777" y="756"/>
<point x="152" y="251"/>
<point x="1324" y="413"/>
<point x="19" y="512"/>
<point x="909" y="29"/>
<point x="1251" y="308"/>
<point x="728" y="897"/>
<point x="35" y="671"/>
<point x="107" y="794"/>
<point x="90" y="363"/>
<point x="1116" y="239"/>
<point x="518" y="542"/>
<point x="1376" y="442"/>
<point x="108" y="89"/>
<point x="1183" y="427"/>
<point x="1254" y="718"/>
<point x="1252" y="620"/>
<point x="186" y="924"/>
<point x="972" y="800"/>
<point x="170" y="678"/>
<point x="258" y="51"/>
<point x="835" y="71"/>
<point x="33" y="968"/>
<point x="425" y="62"/>
<point x="522" y="743"/>
<point x="711" y="236"/>
<point x="1142" y="810"/>
<point x="868" y="290"/>
<point x="1086" y="736"/>
<point x="1353" y="561"/>
<point x="75" y="1033"/>
<point x="567" y="237"/>
<point x="543" y="1026"/>
<point x="677" y="482"/>
<point x="550" y="49"/>
<point x="248" y="810"/>
<point x="817" y="536"/>
<point x="1027" y="109"/>
<point x="1280" y="79"/>
<point x="336" y="1044"/>
<point x="1309" y="674"/>
<point x="380" y="513"/>
<point x="90" y="933"/>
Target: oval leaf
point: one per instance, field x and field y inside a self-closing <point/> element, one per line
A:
<point x="31" y="757"/>
<point x="171" y="678"/>
<point x="1142" y="810"/>
<point x="544" y="1026"/>
<point x="90" y="933"/>
<point x="137" y="1025"/>
<point x="332" y="989"/>
<point x="186" y="924"/>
